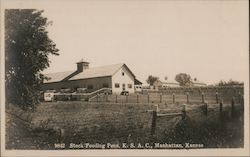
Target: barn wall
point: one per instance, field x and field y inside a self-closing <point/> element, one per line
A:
<point x="126" y="79"/>
<point x="97" y="83"/>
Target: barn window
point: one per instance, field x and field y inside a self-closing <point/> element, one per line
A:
<point x="105" y="85"/>
<point x="90" y="86"/>
<point x="129" y="85"/>
<point x="123" y="74"/>
<point x="117" y="85"/>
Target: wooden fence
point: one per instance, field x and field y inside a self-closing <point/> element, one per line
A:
<point x="235" y="111"/>
<point x="166" y="98"/>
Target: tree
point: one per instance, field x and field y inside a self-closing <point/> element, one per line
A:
<point x="222" y="83"/>
<point x="27" y="48"/>
<point x="151" y="80"/>
<point x="183" y="78"/>
<point x="229" y="83"/>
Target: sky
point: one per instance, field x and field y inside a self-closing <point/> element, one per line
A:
<point x="206" y="39"/>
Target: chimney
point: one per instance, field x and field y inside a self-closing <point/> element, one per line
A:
<point x="82" y="65"/>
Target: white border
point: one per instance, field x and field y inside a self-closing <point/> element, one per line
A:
<point x="121" y="152"/>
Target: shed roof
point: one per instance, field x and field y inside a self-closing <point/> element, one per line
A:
<point x="56" y="77"/>
<point x="137" y="82"/>
<point x="166" y="82"/>
<point x="198" y="82"/>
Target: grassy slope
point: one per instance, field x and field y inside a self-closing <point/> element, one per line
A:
<point x="85" y="122"/>
<point x="109" y="122"/>
<point x="116" y="123"/>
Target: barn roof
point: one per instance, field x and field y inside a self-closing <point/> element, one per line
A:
<point x="170" y="82"/>
<point x="166" y="82"/>
<point x="94" y="72"/>
<point x="102" y="71"/>
<point x="56" y="77"/>
<point x="137" y="82"/>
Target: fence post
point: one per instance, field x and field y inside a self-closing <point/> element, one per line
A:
<point x="183" y="111"/>
<point x="126" y="98"/>
<point x="61" y="135"/>
<point x="116" y="98"/>
<point x="202" y="98"/>
<point x="221" y="109"/>
<point x="233" y="108"/>
<point x="148" y="98"/>
<point x="160" y="97"/>
<point x="155" y="110"/>
<point x="173" y="98"/>
<point x="187" y="97"/>
<point x="216" y="96"/>
<point x="137" y="97"/>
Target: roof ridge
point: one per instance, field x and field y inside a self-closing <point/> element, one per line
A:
<point x="107" y="65"/>
<point x="85" y="69"/>
<point x="59" y="72"/>
<point x="118" y="68"/>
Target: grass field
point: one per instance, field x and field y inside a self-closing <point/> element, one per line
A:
<point x="108" y="122"/>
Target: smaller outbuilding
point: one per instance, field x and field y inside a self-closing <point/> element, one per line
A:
<point x="197" y="83"/>
<point x="165" y="84"/>
<point x="138" y="86"/>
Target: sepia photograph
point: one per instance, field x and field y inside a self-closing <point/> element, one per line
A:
<point x="125" y="77"/>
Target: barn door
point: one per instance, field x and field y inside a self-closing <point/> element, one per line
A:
<point x="123" y="87"/>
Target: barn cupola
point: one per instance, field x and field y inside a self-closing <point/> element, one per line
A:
<point x="82" y="65"/>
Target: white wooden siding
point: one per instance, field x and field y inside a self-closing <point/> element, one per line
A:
<point x="126" y="79"/>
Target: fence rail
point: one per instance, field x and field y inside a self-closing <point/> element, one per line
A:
<point x="173" y="98"/>
<point x="234" y="112"/>
<point x="81" y="96"/>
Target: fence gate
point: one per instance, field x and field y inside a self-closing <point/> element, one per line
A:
<point x="155" y="113"/>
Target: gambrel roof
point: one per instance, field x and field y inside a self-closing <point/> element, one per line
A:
<point x="103" y="71"/>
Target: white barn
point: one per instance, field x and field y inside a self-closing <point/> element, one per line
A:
<point x="118" y="77"/>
